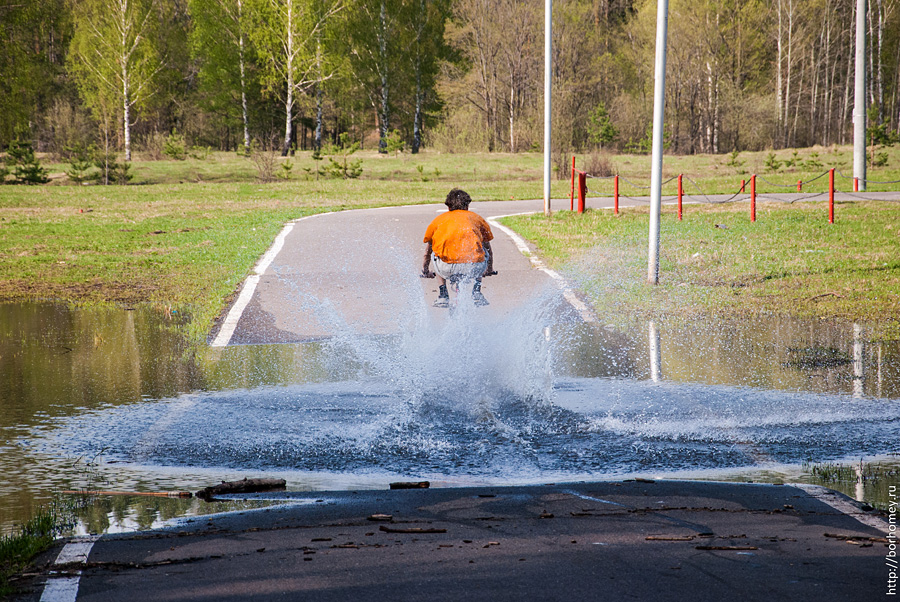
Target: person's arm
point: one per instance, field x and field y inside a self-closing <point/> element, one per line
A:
<point x="489" y="271"/>
<point x="426" y="264"/>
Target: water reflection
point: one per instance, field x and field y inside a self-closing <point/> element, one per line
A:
<point x="127" y="514"/>
<point x="69" y="378"/>
<point x="774" y="353"/>
<point x="655" y="357"/>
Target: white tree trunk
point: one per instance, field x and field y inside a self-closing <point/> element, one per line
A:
<point x="779" y="78"/>
<point x="244" y="112"/>
<point x="289" y="69"/>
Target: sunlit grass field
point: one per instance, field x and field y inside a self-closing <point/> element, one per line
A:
<point x="790" y="261"/>
<point x="183" y="234"/>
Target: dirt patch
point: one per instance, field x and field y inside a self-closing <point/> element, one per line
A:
<point x="78" y="292"/>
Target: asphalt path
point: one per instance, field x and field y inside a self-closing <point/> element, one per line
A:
<point x="360" y="270"/>
<point x="664" y="540"/>
<point x="641" y="540"/>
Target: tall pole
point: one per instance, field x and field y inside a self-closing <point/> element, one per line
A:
<point x="859" y="103"/>
<point x="548" y="76"/>
<point x="659" y="106"/>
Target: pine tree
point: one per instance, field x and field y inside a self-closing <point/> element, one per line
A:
<point x="25" y="165"/>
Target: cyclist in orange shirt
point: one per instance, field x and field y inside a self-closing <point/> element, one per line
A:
<point x="458" y="248"/>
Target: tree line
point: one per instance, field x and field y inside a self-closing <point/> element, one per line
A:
<point x="458" y="75"/>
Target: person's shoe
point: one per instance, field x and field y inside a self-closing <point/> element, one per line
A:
<point x="478" y="296"/>
<point x="443" y="299"/>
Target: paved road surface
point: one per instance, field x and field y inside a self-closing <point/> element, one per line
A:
<point x="661" y="540"/>
<point x="361" y="268"/>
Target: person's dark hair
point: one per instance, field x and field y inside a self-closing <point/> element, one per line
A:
<point x="458" y="199"/>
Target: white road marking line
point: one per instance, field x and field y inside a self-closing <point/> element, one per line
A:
<point x="76" y="550"/>
<point x="61" y="589"/>
<point x="249" y="287"/>
<point x="65" y="588"/>
<point x="583" y="310"/>
<point x="829" y="497"/>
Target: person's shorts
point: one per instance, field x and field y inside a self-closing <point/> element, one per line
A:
<point x="457" y="271"/>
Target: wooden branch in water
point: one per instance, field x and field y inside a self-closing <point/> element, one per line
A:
<point x="242" y="486"/>
<point x="180" y="494"/>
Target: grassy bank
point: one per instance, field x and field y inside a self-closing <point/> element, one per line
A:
<point x="18" y="549"/>
<point x="790" y="261"/>
<point x="185" y="233"/>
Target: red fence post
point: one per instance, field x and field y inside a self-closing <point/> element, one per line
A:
<point x="572" y="193"/>
<point x="743" y="186"/>
<point x="582" y="190"/>
<point x="753" y="198"/>
<point x="799" y="185"/>
<point x="831" y="196"/>
<point x="680" y="194"/>
<point x="616" y="194"/>
<point x="855" y="184"/>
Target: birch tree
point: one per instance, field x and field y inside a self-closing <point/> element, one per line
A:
<point x="285" y="33"/>
<point x="427" y="18"/>
<point x="219" y="39"/>
<point x="113" y="58"/>
<point x="376" y="57"/>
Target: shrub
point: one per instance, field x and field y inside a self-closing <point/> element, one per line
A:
<point x="81" y="160"/>
<point x="174" y="147"/>
<point x="343" y="167"/>
<point x="393" y="143"/>
<point x="600" y="166"/>
<point x="600" y="128"/>
<point x="111" y="170"/>
<point x="26" y="168"/>
<point x="264" y="161"/>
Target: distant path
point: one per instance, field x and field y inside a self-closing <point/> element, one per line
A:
<point x="363" y="263"/>
<point x="353" y="262"/>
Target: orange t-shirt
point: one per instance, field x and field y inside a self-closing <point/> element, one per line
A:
<point x="458" y="236"/>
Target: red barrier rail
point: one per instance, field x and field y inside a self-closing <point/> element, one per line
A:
<point x="753" y="198"/>
<point x="616" y="194"/>
<point x="831" y="196"/>
<point x="680" y="195"/>
<point x="582" y="190"/>
<point x="572" y="193"/>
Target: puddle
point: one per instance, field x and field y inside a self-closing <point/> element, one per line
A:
<point x="112" y="399"/>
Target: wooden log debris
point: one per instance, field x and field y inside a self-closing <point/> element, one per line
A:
<point x="414" y="485"/>
<point x="418" y="530"/>
<point x="242" y="486"/>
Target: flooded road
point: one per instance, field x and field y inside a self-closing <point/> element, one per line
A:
<point x="108" y="398"/>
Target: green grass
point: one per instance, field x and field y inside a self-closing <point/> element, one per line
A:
<point x="790" y="261"/>
<point x="18" y="549"/>
<point x="184" y="234"/>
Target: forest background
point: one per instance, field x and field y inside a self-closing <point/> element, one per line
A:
<point x="126" y="76"/>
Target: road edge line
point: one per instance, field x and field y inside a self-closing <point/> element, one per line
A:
<point x="834" y="499"/>
<point x="587" y="315"/>
<point x="229" y="324"/>
<point x="65" y="588"/>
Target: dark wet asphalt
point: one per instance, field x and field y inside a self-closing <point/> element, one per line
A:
<point x="663" y="540"/>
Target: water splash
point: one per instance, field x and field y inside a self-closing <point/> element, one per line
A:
<point x="477" y="397"/>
